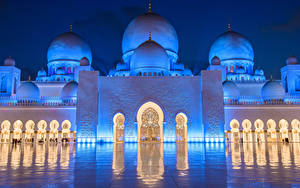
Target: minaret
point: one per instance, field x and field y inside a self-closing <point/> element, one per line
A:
<point x="149" y="7"/>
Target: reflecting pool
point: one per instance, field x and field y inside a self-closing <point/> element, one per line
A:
<point x="150" y="165"/>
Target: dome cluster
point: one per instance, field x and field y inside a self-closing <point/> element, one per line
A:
<point x="9" y="61"/>
<point x="150" y="57"/>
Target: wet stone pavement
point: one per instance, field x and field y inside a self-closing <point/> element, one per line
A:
<point x="150" y="165"/>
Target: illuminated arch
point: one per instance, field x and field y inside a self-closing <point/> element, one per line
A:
<point x="235" y="131"/>
<point x="295" y="130"/>
<point x="18" y="124"/>
<point x="271" y="124"/>
<point x="118" y="127"/>
<point x="284" y="132"/>
<point x="181" y="127"/>
<point x="259" y="131"/>
<point x="29" y="125"/>
<point x="66" y="133"/>
<point x="247" y="131"/>
<point x="154" y="108"/>
<point x="5" y="125"/>
<point x="42" y="125"/>
<point x="54" y="125"/>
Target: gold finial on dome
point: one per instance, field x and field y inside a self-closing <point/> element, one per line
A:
<point x="71" y="28"/>
<point x="150" y="38"/>
<point x="149" y="7"/>
<point x="229" y="27"/>
<point x="271" y="77"/>
<point x="29" y="78"/>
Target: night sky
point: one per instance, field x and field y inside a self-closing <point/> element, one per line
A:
<point x="28" y="27"/>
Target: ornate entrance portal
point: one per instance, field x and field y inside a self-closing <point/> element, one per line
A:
<point x="150" y="123"/>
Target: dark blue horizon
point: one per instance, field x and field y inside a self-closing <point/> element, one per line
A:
<point x="28" y="27"/>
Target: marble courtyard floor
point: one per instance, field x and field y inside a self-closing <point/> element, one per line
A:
<point x="150" y="165"/>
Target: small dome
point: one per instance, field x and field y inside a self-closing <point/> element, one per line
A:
<point x="84" y="62"/>
<point x="215" y="61"/>
<point x="230" y="90"/>
<point x="162" y="32"/>
<point x="231" y="46"/>
<point x="272" y="90"/>
<point x="9" y="61"/>
<point x="292" y="60"/>
<point x="240" y="71"/>
<point x="150" y="55"/>
<point x="28" y="91"/>
<point x="42" y="73"/>
<point x="60" y="71"/>
<point x="69" y="47"/>
<point x="259" y="72"/>
<point x="69" y="91"/>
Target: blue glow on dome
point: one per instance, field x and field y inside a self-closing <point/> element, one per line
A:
<point x="231" y="46"/>
<point x="162" y="32"/>
<point x="69" y="47"/>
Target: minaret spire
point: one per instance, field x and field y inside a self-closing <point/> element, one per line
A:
<point x="149" y="7"/>
<point x="150" y="38"/>
<point x="229" y="26"/>
<point x="71" y="28"/>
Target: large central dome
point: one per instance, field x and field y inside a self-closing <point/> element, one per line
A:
<point x="68" y="47"/>
<point x="162" y="31"/>
<point x="231" y="46"/>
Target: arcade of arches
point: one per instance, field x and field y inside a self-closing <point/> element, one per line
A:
<point x="264" y="131"/>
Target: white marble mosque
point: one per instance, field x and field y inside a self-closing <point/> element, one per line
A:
<point x="150" y="96"/>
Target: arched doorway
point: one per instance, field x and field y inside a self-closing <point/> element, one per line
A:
<point x="271" y="131"/>
<point x="66" y="133"/>
<point x="118" y="129"/>
<point x="295" y="130"/>
<point x="181" y="127"/>
<point x="259" y="131"/>
<point x="235" y="131"/>
<point x="247" y="131"/>
<point x="150" y="123"/>
<point x="284" y="132"/>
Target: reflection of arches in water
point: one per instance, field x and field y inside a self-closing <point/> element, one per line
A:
<point x="182" y="156"/>
<point x="235" y="131"/>
<point x="4" y="150"/>
<point x="295" y="130"/>
<point x="150" y="165"/>
<point x="65" y="156"/>
<point x="248" y="153"/>
<point x="28" y="155"/>
<point x="285" y="155"/>
<point x="118" y="128"/>
<point x="271" y="131"/>
<point x="284" y="131"/>
<point x="181" y="127"/>
<point x="260" y="154"/>
<point x="273" y="154"/>
<point x="15" y="156"/>
<point x="118" y="158"/>
<point x="259" y="131"/>
<point x="247" y="131"/>
<point x="52" y="155"/>
<point x="150" y="122"/>
<point x="236" y="155"/>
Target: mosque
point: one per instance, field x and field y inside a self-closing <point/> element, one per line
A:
<point x="150" y="96"/>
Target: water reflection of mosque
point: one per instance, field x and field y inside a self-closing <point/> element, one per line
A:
<point x="52" y="155"/>
<point x="150" y="160"/>
<point x="272" y="155"/>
